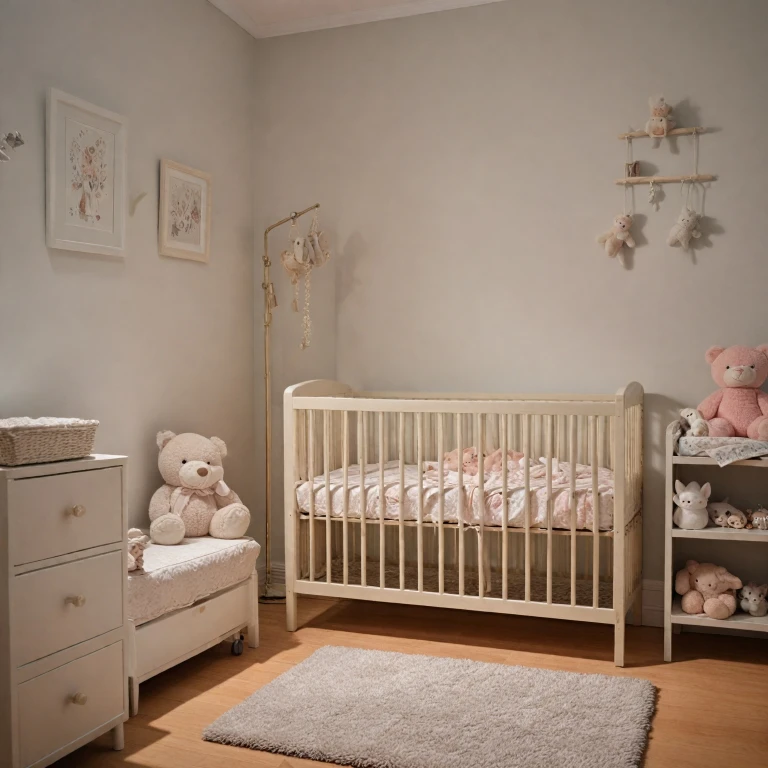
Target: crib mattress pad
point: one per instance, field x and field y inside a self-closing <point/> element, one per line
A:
<point x="178" y="576"/>
<point x="468" y="493"/>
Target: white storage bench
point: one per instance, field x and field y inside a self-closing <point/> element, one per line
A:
<point x="189" y="598"/>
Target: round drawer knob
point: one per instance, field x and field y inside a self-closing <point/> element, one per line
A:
<point x="78" y="698"/>
<point x="78" y="510"/>
<point x="77" y="600"/>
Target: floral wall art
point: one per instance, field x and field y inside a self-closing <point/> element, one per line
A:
<point x="85" y="176"/>
<point x="185" y="212"/>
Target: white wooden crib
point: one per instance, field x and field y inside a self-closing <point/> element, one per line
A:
<point x="523" y="540"/>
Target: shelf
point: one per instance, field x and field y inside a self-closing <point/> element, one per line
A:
<point x="666" y="179"/>
<point x="739" y="620"/>
<point x="722" y="534"/>
<point x="673" y="132"/>
<point x="707" y="461"/>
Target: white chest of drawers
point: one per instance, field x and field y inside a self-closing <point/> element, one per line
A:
<point x="63" y="655"/>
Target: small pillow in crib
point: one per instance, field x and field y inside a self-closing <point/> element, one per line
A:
<point x="195" y="500"/>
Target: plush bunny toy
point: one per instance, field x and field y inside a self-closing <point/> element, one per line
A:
<point x="686" y="227"/>
<point x="693" y="423"/>
<point x="753" y="599"/>
<point x="691" y="511"/>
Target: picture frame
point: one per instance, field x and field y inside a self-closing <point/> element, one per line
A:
<point x="85" y="173"/>
<point x="184" y="222"/>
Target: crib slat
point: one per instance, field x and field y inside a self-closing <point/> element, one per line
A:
<point x="573" y="508"/>
<point x="401" y="530"/>
<point x="550" y="445"/>
<point x="460" y="526"/>
<point x="440" y="505"/>
<point x="527" y="451"/>
<point x="480" y="506"/>
<point x="595" y="517"/>
<point x="345" y="492"/>
<point x="504" y="443"/>
<point x="311" y="462"/>
<point x="382" y="504"/>
<point x="362" y="450"/>
<point x="327" y="474"/>
<point x="420" y="529"/>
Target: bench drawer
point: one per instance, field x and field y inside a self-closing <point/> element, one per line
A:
<point x="59" y="514"/>
<point x="159" y="643"/>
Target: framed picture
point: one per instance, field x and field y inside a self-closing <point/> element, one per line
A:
<point x="85" y="176"/>
<point x="185" y="211"/>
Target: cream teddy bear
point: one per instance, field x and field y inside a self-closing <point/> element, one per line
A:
<point x="686" y="227"/>
<point x="195" y="500"/>
<point x="691" y="510"/>
<point x="708" y="589"/>
<point x="618" y="235"/>
<point x="660" y="121"/>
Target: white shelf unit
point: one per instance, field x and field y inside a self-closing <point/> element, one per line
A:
<point x="673" y="612"/>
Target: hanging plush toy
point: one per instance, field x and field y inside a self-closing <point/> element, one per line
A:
<point x="686" y="227"/>
<point x="660" y="121"/>
<point x="298" y="261"/>
<point x="618" y="235"/>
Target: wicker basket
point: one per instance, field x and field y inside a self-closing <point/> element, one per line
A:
<point x="36" y="441"/>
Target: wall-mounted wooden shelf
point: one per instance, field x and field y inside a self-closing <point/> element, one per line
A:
<point x="673" y="132"/>
<point x="666" y="179"/>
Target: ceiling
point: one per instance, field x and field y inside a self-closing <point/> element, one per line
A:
<point x="271" y="18"/>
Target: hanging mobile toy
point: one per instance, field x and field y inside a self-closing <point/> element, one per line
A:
<point x="653" y="196"/>
<point x="298" y="261"/>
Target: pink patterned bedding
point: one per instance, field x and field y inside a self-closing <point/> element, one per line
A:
<point x="468" y="493"/>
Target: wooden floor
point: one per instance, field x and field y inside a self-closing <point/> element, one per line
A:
<point x="712" y="700"/>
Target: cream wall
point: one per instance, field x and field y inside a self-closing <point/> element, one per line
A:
<point x="465" y="163"/>
<point x="143" y="342"/>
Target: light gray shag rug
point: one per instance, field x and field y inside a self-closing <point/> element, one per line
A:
<point x="377" y="709"/>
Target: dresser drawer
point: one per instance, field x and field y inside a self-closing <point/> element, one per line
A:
<point x="58" y="514"/>
<point x="63" y="605"/>
<point x="69" y="702"/>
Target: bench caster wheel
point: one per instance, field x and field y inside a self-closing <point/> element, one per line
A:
<point x="237" y="646"/>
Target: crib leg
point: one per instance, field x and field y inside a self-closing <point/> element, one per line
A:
<point x="291" y="610"/>
<point x="618" y="642"/>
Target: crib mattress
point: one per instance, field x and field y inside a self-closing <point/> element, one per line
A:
<point x="468" y="493"/>
<point x="176" y="577"/>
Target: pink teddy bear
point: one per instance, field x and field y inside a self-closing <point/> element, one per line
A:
<point x="739" y="408"/>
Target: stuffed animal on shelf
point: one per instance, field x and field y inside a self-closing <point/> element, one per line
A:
<point x="686" y="227"/>
<point x="691" y="510"/>
<point x="660" y="121"/>
<point x="195" y="500"/>
<point x="758" y="519"/>
<point x="726" y="515"/>
<point x="739" y="408"/>
<point x="708" y="589"/>
<point x="617" y="236"/>
<point x="753" y="599"/>
<point x="137" y="543"/>
<point x="693" y="424"/>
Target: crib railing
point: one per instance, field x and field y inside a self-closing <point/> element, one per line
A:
<point x="330" y="428"/>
